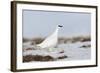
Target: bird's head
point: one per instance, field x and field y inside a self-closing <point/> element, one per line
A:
<point x="60" y="26"/>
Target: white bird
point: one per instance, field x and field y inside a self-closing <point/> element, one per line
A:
<point x="52" y="40"/>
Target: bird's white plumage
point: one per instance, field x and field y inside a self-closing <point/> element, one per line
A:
<point x="51" y="41"/>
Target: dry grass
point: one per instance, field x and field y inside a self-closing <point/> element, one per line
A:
<point x="26" y="39"/>
<point x="60" y="39"/>
<point x="37" y="40"/>
<point x="81" y="39"/>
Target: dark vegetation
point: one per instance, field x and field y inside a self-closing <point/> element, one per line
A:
<point x="30" y="58"/>
<point x="60" y="39"/>
<point x="85" y="46"/>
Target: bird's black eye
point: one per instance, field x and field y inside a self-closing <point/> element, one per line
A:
<point x="60" y="26"/>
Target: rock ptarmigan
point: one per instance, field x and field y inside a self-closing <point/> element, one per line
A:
<point x="52" y="40"/>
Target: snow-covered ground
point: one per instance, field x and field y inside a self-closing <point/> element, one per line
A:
<point x="73" y="51"/>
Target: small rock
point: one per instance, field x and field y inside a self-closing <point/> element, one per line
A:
<point x="62" y="51"/>
<point x="62" y="57"/>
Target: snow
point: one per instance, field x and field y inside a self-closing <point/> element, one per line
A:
<point x="74" y="51"/>
<point x="43" y="53"/>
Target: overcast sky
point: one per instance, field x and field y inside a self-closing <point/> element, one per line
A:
<point x="43" y="23"/>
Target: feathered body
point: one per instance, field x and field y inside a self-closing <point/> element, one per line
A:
<point x="51" y="41"/>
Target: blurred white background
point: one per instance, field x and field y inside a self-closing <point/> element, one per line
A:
<point x="5" y="37"/>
